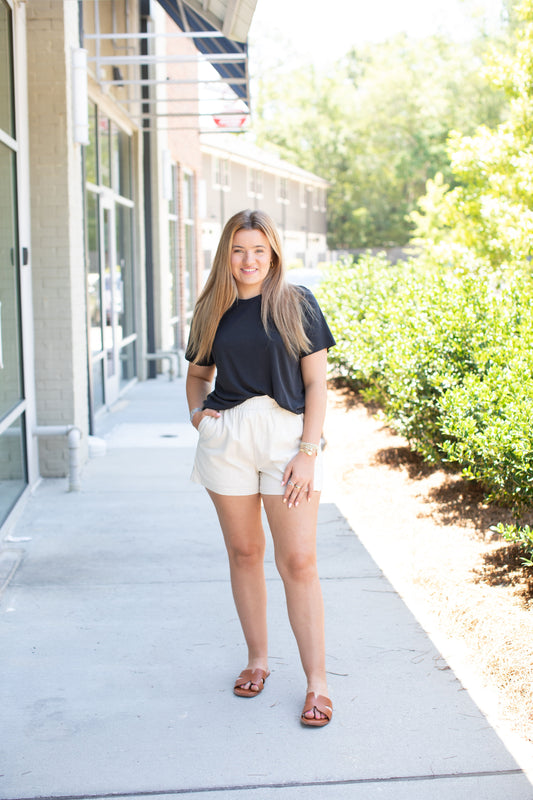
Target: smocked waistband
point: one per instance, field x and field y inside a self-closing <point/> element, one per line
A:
<point x="254" y="405"/>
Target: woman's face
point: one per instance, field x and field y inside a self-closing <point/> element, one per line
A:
<point x="251" y="255"/>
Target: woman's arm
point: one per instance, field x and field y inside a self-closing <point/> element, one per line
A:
<point x="314" y="371"/>
<point x="299" y="473"/>
<point x="197" y="387"/>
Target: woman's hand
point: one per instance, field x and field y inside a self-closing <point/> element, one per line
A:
<point x="298" y="479"/>
<point x="198" y="417"/>
<point x="197" y="386"/>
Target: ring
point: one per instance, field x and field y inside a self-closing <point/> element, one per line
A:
<point x="296" y="486"/>
<point x="290" y="483"/>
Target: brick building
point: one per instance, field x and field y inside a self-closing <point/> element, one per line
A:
<point x="237" y="174"/>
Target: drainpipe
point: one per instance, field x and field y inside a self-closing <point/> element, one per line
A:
<point x="73" y="435"/>
<point x="147" y="181"/>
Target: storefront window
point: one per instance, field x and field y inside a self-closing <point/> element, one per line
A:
<point x="7" y="116"/>
<point x="110" y="267"/>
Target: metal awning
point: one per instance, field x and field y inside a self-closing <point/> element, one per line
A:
<point x="232" y="18"/>
<point x="205" y="23"/>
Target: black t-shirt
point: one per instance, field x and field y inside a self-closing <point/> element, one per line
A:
<point x="251" y="362"/>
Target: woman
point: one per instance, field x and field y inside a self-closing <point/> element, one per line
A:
<point x="259" y="434"/>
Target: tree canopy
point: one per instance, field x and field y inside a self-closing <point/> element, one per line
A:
<point x="376" y="126"/>
<point x="486" y="207"/>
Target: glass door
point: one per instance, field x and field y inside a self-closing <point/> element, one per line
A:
<point x="13" y="459"/>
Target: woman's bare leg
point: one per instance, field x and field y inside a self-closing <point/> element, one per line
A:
<point x="294" y="534"/>
<point x="240" y="520"/>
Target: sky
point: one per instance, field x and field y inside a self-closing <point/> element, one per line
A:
<point x="323" y="30"/>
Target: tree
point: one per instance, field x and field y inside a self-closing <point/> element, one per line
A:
<point x="489" y="211"/>
<point x="376" y="128"/>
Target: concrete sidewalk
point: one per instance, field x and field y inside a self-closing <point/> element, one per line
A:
<point x="120" y="645"/>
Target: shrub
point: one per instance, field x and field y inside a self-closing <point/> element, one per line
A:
<point x="523" y="536"/>
<point x="487" y="424"/>
<point x="448" y="353"/>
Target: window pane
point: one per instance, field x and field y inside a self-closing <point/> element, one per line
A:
<point x="115" y="157"/>
<point x="7" y="117"/>
<point x="90" y="151"/>
<point x="172" y="204"/>
<point x="94" y="283"/>
<point x="104" y="126"/>
<point x="173" y="267"/>
<point x="11" y="390"/>
<point x="187" y="196"/>
<point x="98" y="384"/>
<point x="127" y="363"/>
<point x="190" y="287"/>
<point x="124" y="185"/>
<point x="120" y="160"/>
<point x="111" y="292"/>
<point x="13" y="478"/>
<point x="124" y="306"/>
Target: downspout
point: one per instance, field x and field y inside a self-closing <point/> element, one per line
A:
<point x="90" y="400"/>
<point x="73" y="435"/>
<point x="148" y="221"/>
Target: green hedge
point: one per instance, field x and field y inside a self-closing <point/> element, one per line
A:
<point x="448" y="353"/>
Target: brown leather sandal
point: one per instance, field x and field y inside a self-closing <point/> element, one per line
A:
<point x="319" y="703"/>
<point x="256" y="676"/>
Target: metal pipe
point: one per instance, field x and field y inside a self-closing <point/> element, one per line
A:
<point x="73" y="435"/>
<point x="193" y="99"/>
<point x="211" y="58"/>
<point x="168" y="82"/>
<point x="159" y="115"/>
<point x="195" y="128"/>
<point x="191" y="35"/>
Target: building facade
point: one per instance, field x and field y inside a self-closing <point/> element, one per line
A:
<point x="236" y="174"/>
<point x="100" y="245"/>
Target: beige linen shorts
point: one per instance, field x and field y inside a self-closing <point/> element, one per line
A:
<point x="246" y="450"/>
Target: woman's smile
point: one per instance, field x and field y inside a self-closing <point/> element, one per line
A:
<point x="251" y="257"/>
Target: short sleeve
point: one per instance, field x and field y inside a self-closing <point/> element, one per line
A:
<point x="190" y="355"/>
<point x="315" y="325"/>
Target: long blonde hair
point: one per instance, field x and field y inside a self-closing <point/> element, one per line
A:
<point x="283" y="305"/>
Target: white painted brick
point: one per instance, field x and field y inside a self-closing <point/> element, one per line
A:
<point x="57" y="227"/>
